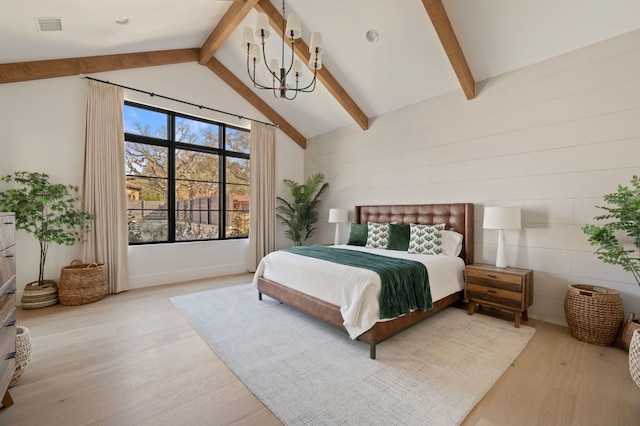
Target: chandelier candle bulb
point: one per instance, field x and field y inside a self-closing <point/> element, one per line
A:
<point x="297" y="68"/>
<point x="315" y="63"/>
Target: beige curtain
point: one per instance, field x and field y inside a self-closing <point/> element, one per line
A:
<point x="104" y="184"/>
<point x="262" y="207"/>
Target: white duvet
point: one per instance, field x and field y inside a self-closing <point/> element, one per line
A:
<point x="355" y="290"/>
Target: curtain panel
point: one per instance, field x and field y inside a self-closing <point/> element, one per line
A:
<point x="104" y="184"/>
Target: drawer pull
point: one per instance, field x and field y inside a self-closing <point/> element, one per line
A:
<point x="491" y="291"/>
<point x="11" y="292"/>
<point x="9" y="255"/>
<point x="10" y="355"/>
<point x="492" y="276"/>
<point x="7" y="223"/>
<point x="11" y="323"/>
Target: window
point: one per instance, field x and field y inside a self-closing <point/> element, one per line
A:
<point x="187" y="178"/>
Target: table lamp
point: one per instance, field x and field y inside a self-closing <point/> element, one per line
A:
<point x="501" y="218"/>
<point x="338" y="216"/>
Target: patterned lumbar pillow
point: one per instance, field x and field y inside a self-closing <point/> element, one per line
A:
<point x="425" y="239"/>
<point x="377" y="235"/>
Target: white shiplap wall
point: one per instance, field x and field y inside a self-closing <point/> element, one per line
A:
<point x="552" y="138"/>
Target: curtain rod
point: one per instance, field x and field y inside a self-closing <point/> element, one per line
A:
<point x="178" y="100"/>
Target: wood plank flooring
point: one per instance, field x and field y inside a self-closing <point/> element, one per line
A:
<point x="132" y="359"/>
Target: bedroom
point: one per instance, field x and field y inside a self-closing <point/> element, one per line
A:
<point x="551" y="137"/>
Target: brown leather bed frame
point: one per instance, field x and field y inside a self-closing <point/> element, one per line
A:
<point x="457" y="217"/>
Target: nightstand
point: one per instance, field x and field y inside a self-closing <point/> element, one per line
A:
<point x="509" y="289"/>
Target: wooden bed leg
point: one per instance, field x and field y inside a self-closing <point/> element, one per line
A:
<point x="372" y="350"/>
<point x="259" y="295"/>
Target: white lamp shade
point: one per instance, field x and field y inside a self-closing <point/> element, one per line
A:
<point x="338" y="216"/>
<point x="293" y="25"/>
<point x="502" y="218"/>
<point x="316" y="43"/>
<point x="262" y="26"/>
<point x="315" y="64"/>
<point x="297" y="68"/>
<point x="247" y="38"/>
<point x="255" y="54"/>
<point x="274" y="66"/>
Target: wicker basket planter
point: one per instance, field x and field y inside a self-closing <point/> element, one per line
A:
<point x="82" y="283"/>
<point x="594" y="314"/>
<point x="23" y="353"/>
<point x="630" y="326"/>
<point x="39" y="296"/>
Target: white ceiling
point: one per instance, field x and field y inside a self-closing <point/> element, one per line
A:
<point x="405" y="66"/>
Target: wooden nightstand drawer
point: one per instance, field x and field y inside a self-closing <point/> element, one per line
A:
<point x="495" y="295"/>
<point x="494" y="279"/>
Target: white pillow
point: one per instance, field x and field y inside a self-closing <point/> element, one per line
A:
<point x="377" y="235"/>
<point x="451" y="243"/>
<point x="425" y="239"/>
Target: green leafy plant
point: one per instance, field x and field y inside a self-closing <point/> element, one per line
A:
<point x="623" y="214"/>
<point x="46" y="210"/>
<point x="301" y="214"/>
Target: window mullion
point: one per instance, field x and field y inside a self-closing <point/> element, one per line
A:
<point x="171" y="186"/>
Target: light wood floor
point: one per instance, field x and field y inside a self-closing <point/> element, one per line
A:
<point x="132" y="359"/>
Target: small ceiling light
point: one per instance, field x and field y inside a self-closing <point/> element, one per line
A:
<point x="372" y="36"/>
<point x="122" y="20"/>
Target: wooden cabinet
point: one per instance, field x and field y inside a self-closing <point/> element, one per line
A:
<point x="7" y="304"/>
<point x="503" y="288"/>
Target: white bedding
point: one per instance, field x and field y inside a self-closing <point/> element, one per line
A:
<point x="355" y="290"/>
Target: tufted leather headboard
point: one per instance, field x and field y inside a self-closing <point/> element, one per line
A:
<point x="457" y="217"/>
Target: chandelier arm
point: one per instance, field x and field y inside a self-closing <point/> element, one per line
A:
<point x="253" y="77"/>
<point x="312" y="83"/>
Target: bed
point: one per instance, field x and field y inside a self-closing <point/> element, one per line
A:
<point x="457" y="217"/>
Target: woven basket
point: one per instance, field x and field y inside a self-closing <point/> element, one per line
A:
<point x="594" y="314"/>
<point x="82" y="283"/>
<point x="627" y="331"/>
<point x="39" y="296"/>
<point x="23" y="353"/>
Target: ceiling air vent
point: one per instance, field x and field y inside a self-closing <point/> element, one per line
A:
<point x="49" y="24"/>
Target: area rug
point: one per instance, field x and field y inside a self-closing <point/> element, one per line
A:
<point x="309" y="373"/>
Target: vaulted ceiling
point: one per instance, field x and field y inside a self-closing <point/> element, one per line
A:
<point x="425" y="47"/>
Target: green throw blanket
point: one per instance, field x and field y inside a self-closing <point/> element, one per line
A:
<point x="405" y="283"/>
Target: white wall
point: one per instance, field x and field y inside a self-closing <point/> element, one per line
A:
<point x="43" y="126"/>
<point x="553" y="138"/>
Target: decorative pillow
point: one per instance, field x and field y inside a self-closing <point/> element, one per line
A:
<point x="377" y="235"/>
<point x="398" y="237"/>
<point x="358" y="235"/>
<point x="451" y="243"/>
<point x="425" y="239"/>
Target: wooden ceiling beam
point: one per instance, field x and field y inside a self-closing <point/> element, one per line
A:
<point x="325" y="77"/>
<point x="35" y="70"/>
<point x="442" y="25"/>
<point x="236" y="13"/>
<point x="249" y="95"/>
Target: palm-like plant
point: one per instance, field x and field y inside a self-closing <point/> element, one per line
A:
<point x="624" y="216"/>
<point x="301" y="214"/>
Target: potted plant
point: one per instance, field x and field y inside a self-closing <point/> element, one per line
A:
<point x="618" y="240"/>
<point x="301" y="214"/>
<point x="48" y="211"/>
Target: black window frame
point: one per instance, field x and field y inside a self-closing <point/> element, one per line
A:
<point x="172" y="145"/>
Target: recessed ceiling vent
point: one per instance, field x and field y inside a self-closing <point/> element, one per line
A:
<point x="49" y="24"/>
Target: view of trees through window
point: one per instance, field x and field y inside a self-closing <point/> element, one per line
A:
<point x="187" y="178"/>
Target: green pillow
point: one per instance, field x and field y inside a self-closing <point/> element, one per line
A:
<point x="399" y="237"/>
<point x="358" y="235"/>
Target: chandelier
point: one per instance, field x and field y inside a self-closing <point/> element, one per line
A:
<point x="280" y="71"/>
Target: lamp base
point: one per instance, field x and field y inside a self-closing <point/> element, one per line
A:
<point x="501" y="255"/>
<point x="336" y="239"/>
